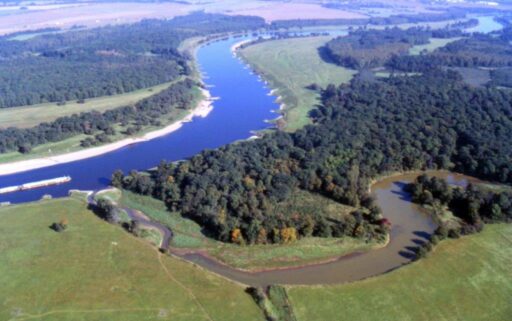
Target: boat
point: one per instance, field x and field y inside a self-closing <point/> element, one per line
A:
<point x="33" y="185"/>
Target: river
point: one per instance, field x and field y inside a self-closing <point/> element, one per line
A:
<point x="244" y="106"/>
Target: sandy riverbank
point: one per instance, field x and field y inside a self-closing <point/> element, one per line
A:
<point x="202" y="109"/>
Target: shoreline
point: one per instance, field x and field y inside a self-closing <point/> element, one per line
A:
<point x="202" y="109"/>
<point x="183" y="252"/>
<point x="274" y="89"/>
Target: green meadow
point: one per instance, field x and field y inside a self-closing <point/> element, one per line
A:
<point x="434" y="44"/>
<point x="33" y="115"/>
<point x="97" y="271"/>
<point x="290" y="65"/>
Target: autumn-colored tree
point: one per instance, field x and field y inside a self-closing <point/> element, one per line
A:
<point x="237" y="237"/>
<point x="249" y="182"/>
<point x="288" y="234"/>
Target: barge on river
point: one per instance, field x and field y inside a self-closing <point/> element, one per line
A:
<point x="38" y="184"/>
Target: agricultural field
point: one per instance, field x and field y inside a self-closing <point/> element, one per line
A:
<point x="290" y="65"/>
<point x="272" y="11"/>
<point x="464" y="279"/>
<point x="87" y="14"/>
<point x="97" y="271"/>
<point x="30" y="116"/>
<point x="188" y="236"/>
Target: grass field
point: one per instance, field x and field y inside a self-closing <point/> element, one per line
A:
<point x="432" y="45"/>
<point x="466" y="279"/>
<point x="97" y="271"/>
<point x="30" y="116"/>
<point x="289" y="65"/>
<point x="188" y="235"/>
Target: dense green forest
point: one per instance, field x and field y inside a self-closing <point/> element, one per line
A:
<point x="82" y="64"/>
<point x="471" y="206"/>
<point x="372" y="48"/>
<point x="501" y="77"/>
<point x="361" y="130"/>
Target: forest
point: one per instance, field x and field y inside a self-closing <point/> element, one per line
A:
<point x="501" y="77"/>
<point x="82" y="64"/>
<point x="472" y="206"/>
<point x="361" y="130"/>
<point x="372" y="48"/>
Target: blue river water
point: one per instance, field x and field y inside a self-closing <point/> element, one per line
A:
<point x="243" y="107"/>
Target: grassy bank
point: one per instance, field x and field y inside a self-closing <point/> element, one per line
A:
<point x="188" y="236"/>
<point x="72" y="144"/>
<point x="97" y="271"/>
<point x="434" y="44"/>
<point x="290" y="65"/>
<point x="464" y="279"/>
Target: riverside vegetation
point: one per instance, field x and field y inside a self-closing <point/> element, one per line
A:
<point x="459" y="210"/>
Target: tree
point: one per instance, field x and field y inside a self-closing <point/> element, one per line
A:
<point x="106" y="209"/>
<point x="237" y="237"/>
<point x="25" y="149"/>
<point x="117" y="179"/>
<point x="288" y="235"/>
<point x="61" y="226"/>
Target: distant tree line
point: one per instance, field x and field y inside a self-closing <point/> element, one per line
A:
<point x="379" y="21"/>
<point x="361" y="130"/>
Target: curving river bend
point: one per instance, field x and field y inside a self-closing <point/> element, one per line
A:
<point x="246" y="106"/>
<point x="410" y="226"/>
